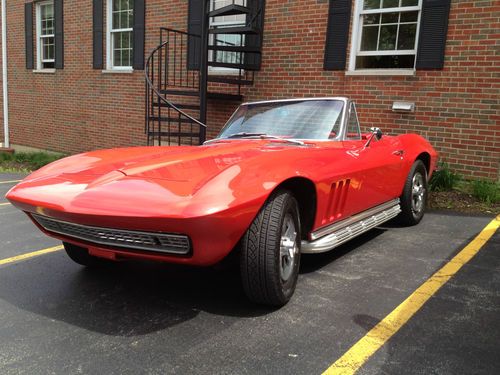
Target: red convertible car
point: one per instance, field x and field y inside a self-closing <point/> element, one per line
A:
<point x="282" y="178"/>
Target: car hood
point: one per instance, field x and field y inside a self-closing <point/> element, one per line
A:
<point x="184" y="181"/>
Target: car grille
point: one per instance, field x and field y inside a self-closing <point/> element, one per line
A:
<point x="159" y="242"/>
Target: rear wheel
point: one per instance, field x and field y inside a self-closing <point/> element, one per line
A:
<point x="270" y="251"/>
<point x="414" y="197"/>
<point x="81" y="255"/>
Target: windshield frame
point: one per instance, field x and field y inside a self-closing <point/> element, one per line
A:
<point x="345" y="105"/>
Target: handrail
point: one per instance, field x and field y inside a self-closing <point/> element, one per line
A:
<point x="158" y="94"/>
<point x="180" y="32"/>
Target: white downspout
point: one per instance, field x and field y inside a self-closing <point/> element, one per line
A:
<point x="4" y="78"/>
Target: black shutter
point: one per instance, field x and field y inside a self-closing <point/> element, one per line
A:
<point x="194" y="27"/>
<point x="337" y="34"/>
<point x="59" y="33"/>
<point x="28" y="34"/>
<point x="97" y="17"/>
<point x="253" y="60"/>
<point x="433" y="30"/>
<point x="139" y="25"/>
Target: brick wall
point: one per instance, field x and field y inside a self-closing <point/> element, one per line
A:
<point x="79" y="108"/>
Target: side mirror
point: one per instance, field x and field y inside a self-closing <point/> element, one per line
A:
<point x="376" y="133"/>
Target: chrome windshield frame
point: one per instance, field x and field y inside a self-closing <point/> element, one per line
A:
<point x="344" y="117"/>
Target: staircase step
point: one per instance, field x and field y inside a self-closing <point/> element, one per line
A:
<point x="232" y="66"/>
<point x="180" y="92"/>
<point x="173" y="134"/>
<point x="234" y="30"/>
<point x="223" y="96"/>
<point x="210" y="95"/>
<point x="248" y="49"/>
<point x="178" y="105"/>
<point x="174" y="120"/>
<point x="229" y="10"/>
<point x="233" y="81"/>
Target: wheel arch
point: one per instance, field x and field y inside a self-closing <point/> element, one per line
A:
<point x="425" y="157"/>
<point x="304" y="192"/>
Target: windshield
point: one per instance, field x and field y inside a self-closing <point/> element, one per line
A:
<point x="307" y="119"/>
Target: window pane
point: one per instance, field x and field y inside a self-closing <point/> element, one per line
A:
<point x="390" y="4"/>
<point x="409" y="3"/>
<point x="409" y="17"/>
<point x="385" y="62"/>
<point x="371" y="19"/>
<point x="47" y="19"/>
<point x="369" y="40"/>
<point x="390" y="17"/>
<point x="407" y="35"/>
<point x="47" y="48"/>
<point x="122" y="48"/>
<point x="371" y="4"/>
<point x="387" y="38"/>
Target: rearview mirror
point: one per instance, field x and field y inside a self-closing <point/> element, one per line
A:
<point x="376" y="133"/>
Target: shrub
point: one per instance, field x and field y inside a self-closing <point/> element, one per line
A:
<point x="486" y="191"/>
<point x="27" y="160"/>
<point x="444" y="179"/>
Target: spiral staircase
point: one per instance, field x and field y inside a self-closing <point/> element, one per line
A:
<point x="178" y="83"/>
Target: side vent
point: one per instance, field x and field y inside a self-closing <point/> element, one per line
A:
<point x="336" y="200"/>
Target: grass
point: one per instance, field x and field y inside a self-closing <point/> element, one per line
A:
<point x="444" y="179"/>
<point x="486" y="191"/>
<point x="26" y="161"/>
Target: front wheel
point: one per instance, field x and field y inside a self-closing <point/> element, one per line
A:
<point x="270" y="251"/>
<point x="414" y="197"/>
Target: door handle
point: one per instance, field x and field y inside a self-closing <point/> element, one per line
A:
<point x="398" y="152"/>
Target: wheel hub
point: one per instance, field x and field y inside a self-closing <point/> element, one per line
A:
<point x="418" y="194"/>
<point x="288" y="248"/>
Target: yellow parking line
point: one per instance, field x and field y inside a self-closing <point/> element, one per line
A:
<point x="4" y="204"/>
<point x="360" y="352"/>
<point x="9" y="182"/>
<point x="30" y="255"/>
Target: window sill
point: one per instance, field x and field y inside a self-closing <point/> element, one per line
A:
<point x="118" y="71"/>
<point x="223" y="72"/>
<point x="381" y="72"/>
<point x="44" y="71"/>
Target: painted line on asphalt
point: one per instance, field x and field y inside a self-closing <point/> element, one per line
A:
<point x="9" y="182"/>
<point x="4" y="204"/>
<point x="360" y="352"/>
<point x="30" y="255"/>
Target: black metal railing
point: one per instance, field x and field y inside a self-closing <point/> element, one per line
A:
<point x="165" y="121"/>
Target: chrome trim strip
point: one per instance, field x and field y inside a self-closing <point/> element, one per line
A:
<point x="363" y="215"/>
<point x="167" y="243"/>
<point x="354" y="226"/>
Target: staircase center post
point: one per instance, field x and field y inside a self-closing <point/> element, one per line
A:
<point x="204" y="67"/>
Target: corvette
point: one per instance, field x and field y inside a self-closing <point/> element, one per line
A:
<point x="283" y="178"/>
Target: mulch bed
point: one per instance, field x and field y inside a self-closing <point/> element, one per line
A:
<point x="461" y="202"/>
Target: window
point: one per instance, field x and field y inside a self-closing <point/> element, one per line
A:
<point x="45" y="41"/>
<point x="231" y="40"/>
<point x="120" y="23"/>
<point x="352" y="131"/>
<point x="385" y="34"/>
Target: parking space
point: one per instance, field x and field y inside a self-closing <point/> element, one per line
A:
<point x="58" y="317"/>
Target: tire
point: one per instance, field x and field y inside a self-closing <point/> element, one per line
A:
<point x="81" y="255"/>
<point x="270" y="251"/>
<point x="414" y="197"/>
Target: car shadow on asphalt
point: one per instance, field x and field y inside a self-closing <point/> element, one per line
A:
<point x="314" y="262"/>
<point x="125" y="299"/>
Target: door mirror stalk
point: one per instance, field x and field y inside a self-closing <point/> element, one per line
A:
<point x="376" y="133"/>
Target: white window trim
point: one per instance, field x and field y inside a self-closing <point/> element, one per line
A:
<point x="109" y="41"/>
<point x="356" y="42"/>
<point x="38" y="15"/>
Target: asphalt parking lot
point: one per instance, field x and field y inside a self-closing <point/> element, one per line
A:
<point x="130" y="318"/>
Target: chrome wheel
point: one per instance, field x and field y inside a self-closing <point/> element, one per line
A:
<point x="417" y="194"/>
<point x="288" y="248"/>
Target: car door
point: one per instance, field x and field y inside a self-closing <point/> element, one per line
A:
<point x="375" y="167"/>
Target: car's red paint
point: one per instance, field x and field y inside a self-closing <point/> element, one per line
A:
<point x="212" y="193"/>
